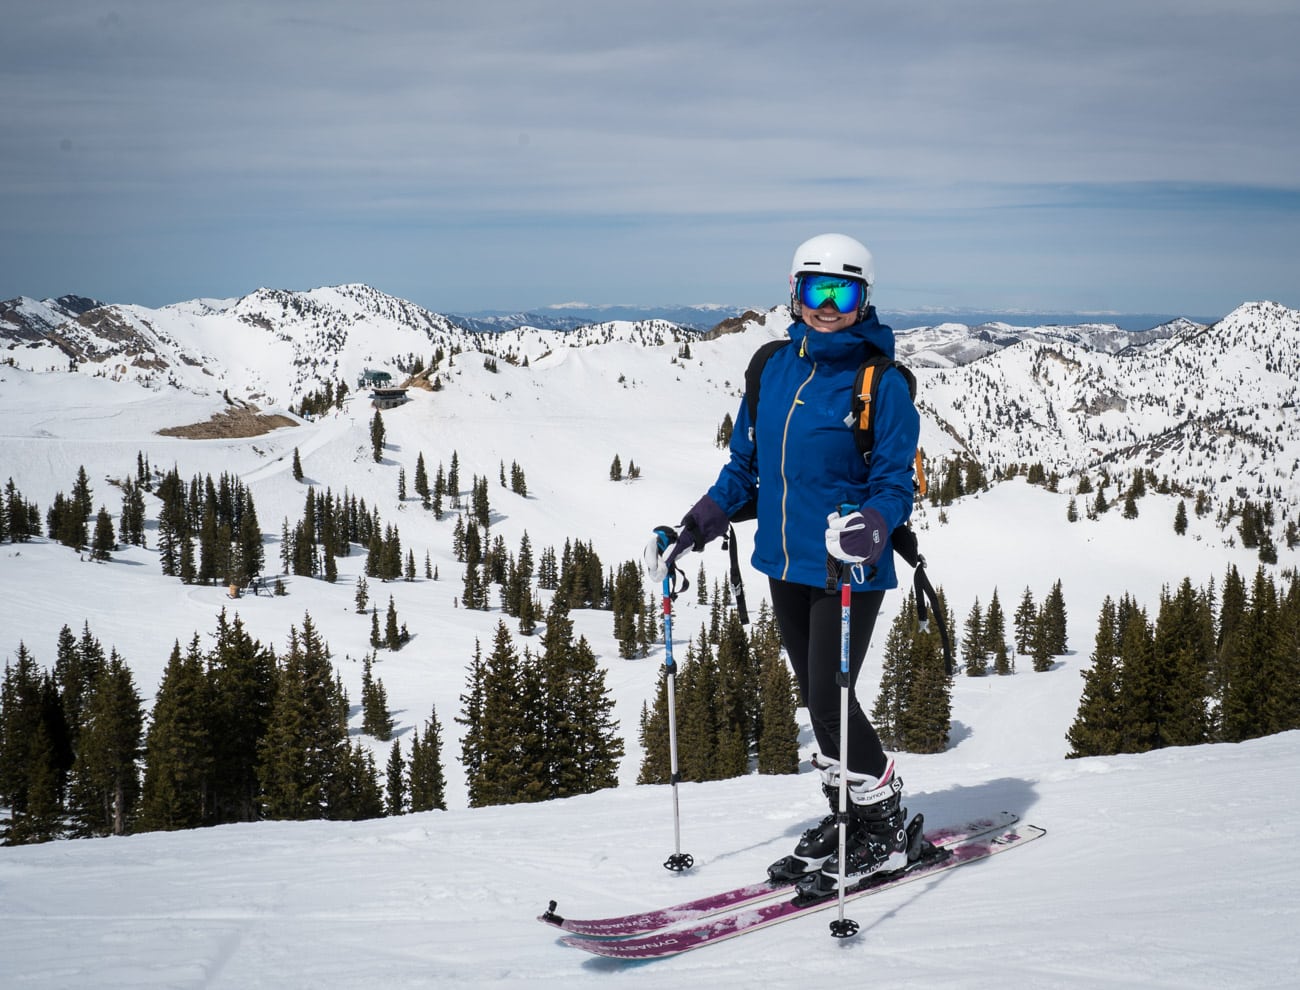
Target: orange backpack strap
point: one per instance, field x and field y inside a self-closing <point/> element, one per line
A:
<point x="865" y="389"/>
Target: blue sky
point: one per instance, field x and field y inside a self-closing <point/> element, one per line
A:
<point x="1137" y="156"/>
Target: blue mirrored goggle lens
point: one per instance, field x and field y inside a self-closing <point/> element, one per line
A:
<point x="844" y="293"/>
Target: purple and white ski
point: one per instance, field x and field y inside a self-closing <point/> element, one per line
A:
<point x="674" y="941"/>
<point x="730" y="900"/>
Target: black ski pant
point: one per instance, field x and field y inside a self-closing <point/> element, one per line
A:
<point x="809" y="621"/>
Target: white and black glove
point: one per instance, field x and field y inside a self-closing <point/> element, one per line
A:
<point x="858" y="538"/>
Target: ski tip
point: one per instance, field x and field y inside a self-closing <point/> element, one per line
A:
<point x="550" y="917"/>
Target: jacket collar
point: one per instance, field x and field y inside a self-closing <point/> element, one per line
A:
<point x="844" y="346"/>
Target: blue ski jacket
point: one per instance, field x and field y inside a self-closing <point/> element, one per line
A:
<point x="801" y="459"/>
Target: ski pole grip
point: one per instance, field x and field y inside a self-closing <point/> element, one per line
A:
<point x="666" y="535"/>
<point x="837" y="571"/>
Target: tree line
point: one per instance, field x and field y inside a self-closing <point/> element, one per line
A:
<point x="1211" y="666"/>
<point x="734" y="702"/>
<point x="237" y="733"/>
<point x="540" y="725"/>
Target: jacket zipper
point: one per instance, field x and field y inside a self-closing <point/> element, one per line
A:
<point x="785" y="436"/>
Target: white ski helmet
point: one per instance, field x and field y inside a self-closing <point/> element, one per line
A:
<point x="832" y="254"/>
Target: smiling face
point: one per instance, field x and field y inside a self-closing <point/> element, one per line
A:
<point x="828" y="319"/>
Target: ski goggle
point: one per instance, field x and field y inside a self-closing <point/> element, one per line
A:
<point x="846" y="294"/>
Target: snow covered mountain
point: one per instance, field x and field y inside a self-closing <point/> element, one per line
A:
<point x="1210" y="408"/>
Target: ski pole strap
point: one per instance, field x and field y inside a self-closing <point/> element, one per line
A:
<point x="925" y="592"/>
<point x="676" y="582"/>
<point x="905" y="545"/>
<point x="737" y="584"/>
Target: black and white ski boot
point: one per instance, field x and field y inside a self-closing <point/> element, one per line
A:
<point x="877" y="840"/>
<point x="818" y="843"/>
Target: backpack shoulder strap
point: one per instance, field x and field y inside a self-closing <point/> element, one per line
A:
<point x="865" y="390"/>
<point x="754" y="375"/>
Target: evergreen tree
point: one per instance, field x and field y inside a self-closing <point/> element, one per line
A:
<point x="581" y="745"/>
<point x="1283" y="706"/>
<point x="995" y="636"/>
<point x="354" y="793"/>
<point x="497" y="777"/>
<point x="915" y="688"/>
<point x="252" y="556"/>
<point x="77" y="663"/>
<point x="482" y="509"/>
<point x="740" y="677"/>
<point x="105" y="784"/>
<point x="973" y="645"/>
<point x="778" y="729"/>
<point x="428" y="784"/>
<point x="375" y="718"/>
<point x="453" y="478"/>
<point x="1054" y="617"/>
<point x="628" y="600"/>
<point x="1247" y="662"/>
<point x="395" y="803"/>
<point x="305" y="745"/>
<point x="653" y="735"/>
<point x="421" y="481"/>
<point x="1040" y="649"/>
<point x="1097" y="729"/>
<point x="81" y="507"/>
<point x="104" y="542"/>
<point x="131" y="524"/>
<point x="178" y="746"/>
<point x="1025" y="619"/>
<point x="473" y="748"/>
<point x="297" y="466"/>
<point x="1184" y="646"/>
<point x="392" y="631"/>
<point x="241" y="677"/>
<point x="35" y="753"/>
<point x="698" y="718"/>
<point x="20" y="717"/>
<point x="518" y="483"/>
<point x="1139" y="686"/>
<point x="377" y="437"/>
<point x="42" y="820"/>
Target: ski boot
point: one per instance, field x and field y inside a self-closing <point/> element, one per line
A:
<point x="818" y="843"/>
<point x="877" y="841"/>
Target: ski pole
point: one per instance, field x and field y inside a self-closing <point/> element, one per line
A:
<point x="843" y="927"/>
<point x="678" y="861"/>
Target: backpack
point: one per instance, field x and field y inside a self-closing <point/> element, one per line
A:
<point x="866" y="388"/>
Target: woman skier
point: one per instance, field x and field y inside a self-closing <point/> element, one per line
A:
<point x="822" y="505"/>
